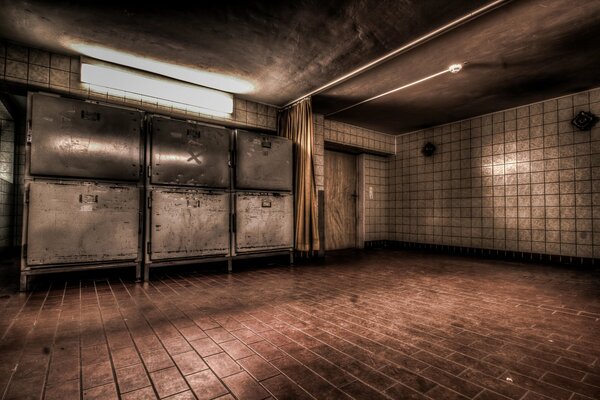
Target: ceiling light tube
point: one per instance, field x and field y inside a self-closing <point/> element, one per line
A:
<point x="454" y="68"/>
<point x="110" y="76"/>
<point x="208" y="79"/>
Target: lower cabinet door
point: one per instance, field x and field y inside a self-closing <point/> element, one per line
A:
<point x="264" y="221"/>
<point x="82" y="223"/>
<point x="188" y="224"/>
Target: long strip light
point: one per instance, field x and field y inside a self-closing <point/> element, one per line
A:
<point x="209" y="101"/>
<point x="208" y="79"/>
<point x="425" y="38"/>
<point x="454" y="68"/>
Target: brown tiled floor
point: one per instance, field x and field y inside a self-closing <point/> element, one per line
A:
<point x="373" y="325"/>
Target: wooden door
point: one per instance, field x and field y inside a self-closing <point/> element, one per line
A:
<point x="340" y="200"/>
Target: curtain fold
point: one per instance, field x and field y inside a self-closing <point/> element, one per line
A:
<point x="296" y="123"/>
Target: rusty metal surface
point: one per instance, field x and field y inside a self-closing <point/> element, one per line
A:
<point x="73" y="138"/>
<point x="264" y="221"/>
<point x="82" y="223"/>
<point x="185" y="153"/>
<point x="188" y="223"/>
<point x="263" y="162"/>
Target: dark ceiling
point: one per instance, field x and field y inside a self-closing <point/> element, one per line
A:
<point x="521" y="52"/>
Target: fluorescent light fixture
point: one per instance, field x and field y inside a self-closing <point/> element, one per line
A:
<point x="454" y="68"/>
<point x="208" y="101"/>
<point x="203" y="78"/>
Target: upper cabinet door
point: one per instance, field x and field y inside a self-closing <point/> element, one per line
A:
<point x="189" y="154"/>
<point x="264" y="162"/>
<point x="72" y="138"/>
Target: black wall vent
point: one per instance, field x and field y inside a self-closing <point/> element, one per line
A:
<point x="584" y="121"/>
<point x="428" y="149"/>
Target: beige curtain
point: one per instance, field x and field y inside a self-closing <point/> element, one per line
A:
<point x="296" y="123"/>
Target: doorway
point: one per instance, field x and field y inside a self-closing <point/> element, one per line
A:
<point x="340" y="200"/>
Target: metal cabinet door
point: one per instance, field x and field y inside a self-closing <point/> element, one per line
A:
<point x="263" y="221"/>
<point x="82" y="223"/>
<point x="188" y="223"/>
<point x="189" y="154"/>
<point x="263" y="162"/>
<point x="78" y="139"/>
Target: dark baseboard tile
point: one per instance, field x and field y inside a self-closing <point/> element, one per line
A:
<point x="484" y="253"/>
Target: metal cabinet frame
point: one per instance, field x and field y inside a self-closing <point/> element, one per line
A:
<point x="29" y="270"/>
<point x="257" y="253"/>
<point x="142" y="263"/>
<point x="149" y="187"/>
<point x="149" y="262"/>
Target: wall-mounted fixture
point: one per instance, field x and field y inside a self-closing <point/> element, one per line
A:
<point x="428" y="149"/>
<point x="111" y="76"/>
<point x="584" y="121"/>
<point x="454" y="68"/>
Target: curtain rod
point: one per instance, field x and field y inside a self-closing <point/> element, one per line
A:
<point x="440" y="31"/>
<point x="292" y="104"/>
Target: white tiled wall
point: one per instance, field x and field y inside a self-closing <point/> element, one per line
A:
<point x="341" y="133"/>
<point x="521" y="180"/>
<point x="378" y="205"/>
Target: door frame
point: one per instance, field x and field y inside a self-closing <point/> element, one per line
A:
<point x="360" y="201"/>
